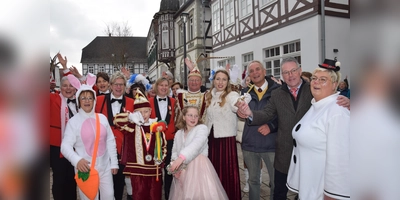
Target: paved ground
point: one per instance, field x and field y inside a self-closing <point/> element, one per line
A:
<point x="265" y="190"/>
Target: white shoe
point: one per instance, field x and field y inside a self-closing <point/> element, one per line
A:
<point x="246" y="176"/>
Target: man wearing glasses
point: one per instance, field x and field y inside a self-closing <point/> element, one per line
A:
<point x="289" y="103"/>
<point x="110" y="105"/>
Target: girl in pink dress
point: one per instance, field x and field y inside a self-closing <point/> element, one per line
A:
<point x="194" y="175"/>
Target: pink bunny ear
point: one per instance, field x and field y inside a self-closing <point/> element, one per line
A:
<point x="90" y="79"/>
<point x="74" y="81"/>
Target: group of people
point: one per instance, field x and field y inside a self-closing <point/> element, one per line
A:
<point x="185" y="140"/>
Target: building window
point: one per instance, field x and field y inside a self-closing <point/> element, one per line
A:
<point x="229" y="12"/>
<point x="246" y="59"/>
<point x="216" y="17"/>
<point x="191" y="28"/>
<point x="223" y="63"/>
<point x="101" y="68"/>
<point x="266" y="2"/>
<point x="245" y="7"/>
<point x="274" y="55"/>
<point x="181" y="34"/>
<point x="90" y="69"/>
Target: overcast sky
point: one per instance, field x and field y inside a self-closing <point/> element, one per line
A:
<point x="74" y="24"/>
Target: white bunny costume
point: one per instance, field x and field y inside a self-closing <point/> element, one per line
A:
<point x="80" y="134"/>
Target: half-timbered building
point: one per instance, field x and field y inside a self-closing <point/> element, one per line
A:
<point x="269" y="30"/>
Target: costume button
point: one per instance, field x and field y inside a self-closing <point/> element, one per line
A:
<point x="294" y="159"/>
<point x="294" y="143"/>
<point x="298" y="127"/>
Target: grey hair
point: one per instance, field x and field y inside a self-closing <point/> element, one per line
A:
<point x="116" y="76"/>
<point x="289" y="59"/>
<point x="254" y="61"/>
<point x="63" y="79"/>
<point x="335" y="76"/>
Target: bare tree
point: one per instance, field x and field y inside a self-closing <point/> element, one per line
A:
<point x="119" y="30"/>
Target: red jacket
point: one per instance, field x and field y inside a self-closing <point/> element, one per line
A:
<point x="55" y="120"/>
<point x="170" y="132"/>
<point x="103" y="105"/>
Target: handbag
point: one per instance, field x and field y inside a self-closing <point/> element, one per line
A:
<point x="89" y="182"/>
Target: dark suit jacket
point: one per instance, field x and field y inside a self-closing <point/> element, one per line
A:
<point x="282" y="105"/>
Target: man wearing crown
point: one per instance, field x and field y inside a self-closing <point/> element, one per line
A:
<point x="193" y="96"/>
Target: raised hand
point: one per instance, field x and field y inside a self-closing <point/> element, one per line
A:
<point x="189" y="64"/>
<point x="63" y="61"/>
<point x="125" y="72"/>
<point x="75" y="72"/>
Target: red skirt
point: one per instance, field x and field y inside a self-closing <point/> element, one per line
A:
<point x="223" y="155"/>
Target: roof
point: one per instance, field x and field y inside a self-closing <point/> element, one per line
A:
<point x="169" y="5"/>
<point x="105" y="49"/>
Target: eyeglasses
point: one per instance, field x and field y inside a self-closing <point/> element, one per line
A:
<point x="286" y="73"/>
<point x="87" y="98"/>
<point x="320" y="80"/>
<point x="192" y="116"/>
<point x="118" y="84"/>
<point x="195" y="81"/>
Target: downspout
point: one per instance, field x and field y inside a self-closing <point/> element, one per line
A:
<point x="322" y="31"/>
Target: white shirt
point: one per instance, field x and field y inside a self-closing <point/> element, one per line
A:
<point x="162" y="107"/>
<point x="116" y="106"/>
<point x="72" y="107"/>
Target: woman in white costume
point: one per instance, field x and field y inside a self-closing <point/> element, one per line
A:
<point x="319" y="167"/>
<point x="80" y="135"/>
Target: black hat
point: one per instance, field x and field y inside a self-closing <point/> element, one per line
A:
<point x="331" y="64"/>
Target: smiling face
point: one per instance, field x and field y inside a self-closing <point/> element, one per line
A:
<point x="257" y="73"/>
<point x="162" y="88"/>
<point x="67" y="90"/>
<point x="191" y="117"/>
<point x="291" y="74"/>
<point x="220" y="81"/>
<point x="102" y="84"/>
<point x="322" y="85"/>
<point x="86" y="101"/>
<point x="194" y="83"/>
<point x="175" y="88"/>
<point x="118" y="87"/>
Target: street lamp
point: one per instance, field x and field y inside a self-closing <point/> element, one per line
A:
<point x="184" y="18"/>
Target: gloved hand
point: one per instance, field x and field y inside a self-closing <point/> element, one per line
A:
<point x="136" y="117"/>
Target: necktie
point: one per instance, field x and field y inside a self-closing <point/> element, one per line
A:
<point x="71" y="100"/>
<point x="293" y="91"/>
<point x="114" y="100"/>
<point x="162" y="99"/>
<point x="259" y="90"/>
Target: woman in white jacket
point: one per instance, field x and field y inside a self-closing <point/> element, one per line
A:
<point x="194" y="175"/>
<point x="80" y="135"/>
<point x="221" y="121"/>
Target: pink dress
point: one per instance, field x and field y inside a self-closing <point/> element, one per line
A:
<point x="199" y="179"/>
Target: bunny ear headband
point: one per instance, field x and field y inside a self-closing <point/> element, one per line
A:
<point x="234" y="73"/>
<point x="90" y="81"/>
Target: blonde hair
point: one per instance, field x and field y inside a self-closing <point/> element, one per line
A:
<point x="181" y="124"/>
<point x="158" y="82"/>
<point x="227" y="90"/>
<point x="116" y="76"/>
<point x="335" y="76"/>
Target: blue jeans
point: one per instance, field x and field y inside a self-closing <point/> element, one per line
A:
<point x="253" y="163"/>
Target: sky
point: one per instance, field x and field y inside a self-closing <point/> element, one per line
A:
<point x="74" y="24"/>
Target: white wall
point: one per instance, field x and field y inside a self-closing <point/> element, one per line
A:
<point x="337" y="37"/>
<point x="337" y="33"/>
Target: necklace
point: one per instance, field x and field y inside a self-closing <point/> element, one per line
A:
<point x="147" y="140"/>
